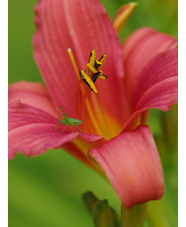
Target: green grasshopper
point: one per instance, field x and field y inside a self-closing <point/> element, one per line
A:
<point x="72" y="122"/>
<point x="67" y="121"/>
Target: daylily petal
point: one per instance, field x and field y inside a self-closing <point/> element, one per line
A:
<point x="142" y="46"/>
<point x="162" y="67"/>
<point x="50" y="53"/>
<point x="34" y="94"/>
<point x="132" y="165"/>
<point x="157" y="86"/>
<point x="32" y="131"/>
<point x="62" y="24"/>
<point x="123" y="14"/>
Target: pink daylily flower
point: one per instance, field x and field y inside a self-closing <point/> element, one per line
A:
<point x="142" y="74"/>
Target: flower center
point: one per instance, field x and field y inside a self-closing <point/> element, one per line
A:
<point x="88" y="105"/>
<point x="84" y="101"/>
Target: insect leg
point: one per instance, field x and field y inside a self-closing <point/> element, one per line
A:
<point x="64" y="128"/>
<point x="79" y="128"/>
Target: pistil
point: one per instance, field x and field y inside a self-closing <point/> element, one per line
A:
<point x="73" y="63"/>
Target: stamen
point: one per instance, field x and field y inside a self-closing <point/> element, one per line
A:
<point x="95" y="120"/>
<point x="73" y="63"/>
<point x="81" y="86"/>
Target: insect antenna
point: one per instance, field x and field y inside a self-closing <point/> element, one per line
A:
<point x="93" y="115"/>
<point x="78" y="128"/>
<point x="86" y="116"/>
<point x="59" y="117"/>
<point x="86" y="102"/>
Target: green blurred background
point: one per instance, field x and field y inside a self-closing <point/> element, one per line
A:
<point x="46" y="190"/>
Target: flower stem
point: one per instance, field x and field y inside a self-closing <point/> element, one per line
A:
<point x="133" y="217"/>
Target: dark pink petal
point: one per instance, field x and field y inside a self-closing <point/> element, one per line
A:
<point x="51" y="42"/>
<point x="132" y="165"/>
<point x="155" y="78"/>
<point x="32" y="131"/>
<point x="157" y="86"/>
<point x="33" y="94"/>
<point x="82" y="26"/>
<point x="141" y="47"/>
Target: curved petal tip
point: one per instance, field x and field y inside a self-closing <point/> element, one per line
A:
<point x="132" y="165"/>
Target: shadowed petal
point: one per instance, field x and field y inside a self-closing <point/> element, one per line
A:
<point x="132" y="165"/>
<point x="141" y="47"/>
<point x="32" y="131"/>
<point x="82" y="26"/>
<point x="33" y="94"/>
<point x="80" y="147"/>
<point x="157" y="86"/>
